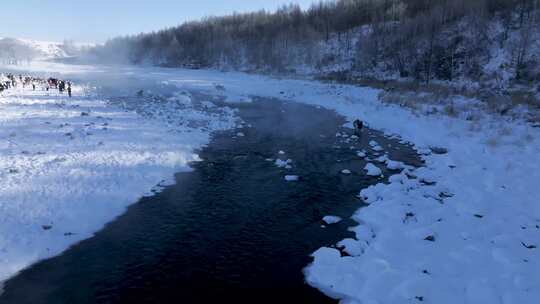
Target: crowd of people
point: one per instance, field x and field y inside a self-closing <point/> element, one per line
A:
<point x="8" y="81"/>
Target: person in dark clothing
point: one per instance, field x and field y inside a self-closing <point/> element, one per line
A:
<point x="358" y="126"/>
<point x="69" y="89"/>
<point x="53" y="83"/>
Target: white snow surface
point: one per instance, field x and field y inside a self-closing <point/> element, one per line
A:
<point x="372" y="170"/>
<point x="480" y="210"/>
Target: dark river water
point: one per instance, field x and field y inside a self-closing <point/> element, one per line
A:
<point x="231" y="231"/>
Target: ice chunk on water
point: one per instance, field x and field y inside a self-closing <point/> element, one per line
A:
<point x="394" y="165"/>
<point x="373" y="170"/>
<point x="284" y="163"/>
<point x="292" y="178"/>
<point x="331" y="219"/>
<point x="375" y="146"/>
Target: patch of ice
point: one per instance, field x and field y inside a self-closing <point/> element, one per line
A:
<point x="284" y="163"/>
<point x="394" y="165"/>
<point x="382" y="159"/>
<point x="292" y="178"/>
<point x="373" y="170"/>
<point x="331" y="219"/>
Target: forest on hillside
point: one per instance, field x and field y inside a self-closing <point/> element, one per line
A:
<point x="424" y="40"/>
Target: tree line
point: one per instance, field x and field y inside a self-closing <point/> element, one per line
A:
<point x="422" y="39"/>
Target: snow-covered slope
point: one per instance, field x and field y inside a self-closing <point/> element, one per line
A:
<point x="46" y="49"/>
<point x="15" y="49"/>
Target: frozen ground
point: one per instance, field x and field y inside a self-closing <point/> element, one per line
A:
<point x="463" y="229"/>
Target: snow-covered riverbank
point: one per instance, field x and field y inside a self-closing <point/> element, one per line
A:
<point x="68" y="166"/>
<point x="463" y="229"/>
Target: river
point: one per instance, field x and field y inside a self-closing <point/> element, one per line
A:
<point x="231" y="231"/>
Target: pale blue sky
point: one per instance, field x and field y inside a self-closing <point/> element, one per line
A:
<point x="98" y="20"/>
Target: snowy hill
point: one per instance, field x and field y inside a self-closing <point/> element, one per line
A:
<point x="15" y="50"/>
<point x="46" y="49"/>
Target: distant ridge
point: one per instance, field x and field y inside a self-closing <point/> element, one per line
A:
<point x="14" y="50"/>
